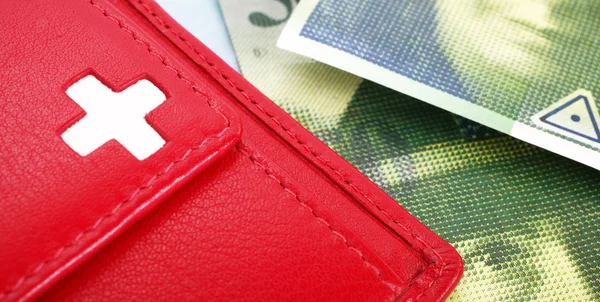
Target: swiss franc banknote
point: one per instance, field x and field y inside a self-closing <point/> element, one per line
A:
<point x="525" y="220"/>
<point x="528" y="68"/>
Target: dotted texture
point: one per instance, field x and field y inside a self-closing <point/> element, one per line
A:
<point x="515" y="58"/>
<point x="525" y="220"/>
<point x="397" y="35"/>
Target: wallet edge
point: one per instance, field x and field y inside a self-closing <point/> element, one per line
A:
<point x="445" y="264"/>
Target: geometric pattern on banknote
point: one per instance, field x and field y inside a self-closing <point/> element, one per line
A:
<point x="525" y="221"/>
<point x="514" y="57"/>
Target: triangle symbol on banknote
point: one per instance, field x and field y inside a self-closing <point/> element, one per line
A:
<point x="575" y="116"/>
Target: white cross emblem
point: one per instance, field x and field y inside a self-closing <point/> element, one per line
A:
<point x="111" y="115"/>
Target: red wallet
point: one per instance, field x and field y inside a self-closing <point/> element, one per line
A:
<point x="240" y="202"/>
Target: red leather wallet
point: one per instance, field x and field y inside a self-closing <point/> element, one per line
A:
<point x="241" y="202"/>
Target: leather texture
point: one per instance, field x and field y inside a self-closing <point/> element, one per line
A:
<point x="241" y="203"/>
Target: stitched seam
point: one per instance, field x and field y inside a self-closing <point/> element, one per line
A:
<point x="318" y="218"/>
<point x="441" y="266"/>
<point x="148" y="184"/>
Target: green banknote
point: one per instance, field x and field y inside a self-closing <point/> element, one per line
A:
<point x="528" y="68"/>
<point x="525" y="220"/>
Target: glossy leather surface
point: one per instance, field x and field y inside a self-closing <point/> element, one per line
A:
<point x="277" y="216"/>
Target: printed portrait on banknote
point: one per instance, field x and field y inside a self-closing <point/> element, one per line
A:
<point x="513" y="56"/>
<point x="517" y="56"/>
<point x="528" y="68"/>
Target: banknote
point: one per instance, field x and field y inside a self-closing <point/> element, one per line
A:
<point x="203" y="19"/>
<point x="524" y="219"/>
<point x="528" y="68"/>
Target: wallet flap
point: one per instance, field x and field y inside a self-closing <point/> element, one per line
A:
<point x="61" y="202"/>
